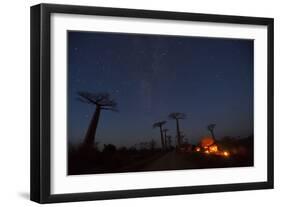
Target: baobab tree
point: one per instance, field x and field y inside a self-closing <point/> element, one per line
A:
<point x="177" y="116"/>
<point x="183" y="137"/>
<point x="102" y="101"/>
<point x="211" y="128"/>
<point x="169" y="141"/>
<point x="160" y="125"/>
<point x="165" y="138"/>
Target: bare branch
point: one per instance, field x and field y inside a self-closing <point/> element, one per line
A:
<point x="159" y="124"/>
<point x="211" y="127"/>
<point x="110" y="109"/>
<point x="177" y="115"/>
<point x="102" y="100"/>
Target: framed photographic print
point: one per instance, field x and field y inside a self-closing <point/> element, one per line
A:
<point x="132" y="103"/>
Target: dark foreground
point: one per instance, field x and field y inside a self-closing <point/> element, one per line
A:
<point x="137" y="161"/>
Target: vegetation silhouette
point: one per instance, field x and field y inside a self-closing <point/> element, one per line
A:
<point x="160" y="125"/>
<point x="177" y="116"/>
<point x="165" y="138"/>
<point x="110" y="148"/>
<point x="102" y="101"/>
<point x="169" y="141"/>
<point x="211" y="128"/>
<point x="89" y="157"/>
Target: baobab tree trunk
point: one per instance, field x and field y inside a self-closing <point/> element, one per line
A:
<point x="91" y="132"/>
<point x="213" y="135"/>
<point x="178" y="133"/>
<point x="169" y="142"/>
<point x="165" y="139"/>
<point x="162" y="139"/>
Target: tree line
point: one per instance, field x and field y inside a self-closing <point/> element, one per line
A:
<point x="103" y="101"/>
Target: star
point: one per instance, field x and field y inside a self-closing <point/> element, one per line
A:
<point x="218" y="76"/>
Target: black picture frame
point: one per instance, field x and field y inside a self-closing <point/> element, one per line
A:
<point x="41" y="95"/>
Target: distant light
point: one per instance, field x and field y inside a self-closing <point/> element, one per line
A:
<point x="226" y="154"/>
<point x="213" y="148"/>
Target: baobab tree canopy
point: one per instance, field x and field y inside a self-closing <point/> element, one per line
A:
<point x="177" y="115"/>
<point x="211" y="127"/>
<point x="159" y="124"/>
<point x="102" y="100"/>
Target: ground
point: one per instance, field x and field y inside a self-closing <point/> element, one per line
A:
<point x="118" y="162"/>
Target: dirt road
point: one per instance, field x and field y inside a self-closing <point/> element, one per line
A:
<point x="171" y="161"/>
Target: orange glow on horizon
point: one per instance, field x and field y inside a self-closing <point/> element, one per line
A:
<point x="206" y="141"/>
<point x="208" y="146"/>
<point x="213" y="148"/>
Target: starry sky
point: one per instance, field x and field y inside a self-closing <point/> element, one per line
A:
<point x="150" y="76"/>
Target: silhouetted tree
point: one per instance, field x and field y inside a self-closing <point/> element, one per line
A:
<point x="183" y="137"/>
<point x="109" y="148"/>
<point x="169" y="141"/>
<point x="165" y="138"/>
<point x="177" y="116"/>
<point x="101" y="101"/>
<point x="160" y="124"/>
<point x="211" y="128"/>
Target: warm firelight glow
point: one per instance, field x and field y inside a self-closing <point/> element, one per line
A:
<point x="225" y="153"/>
<point x="206" y="141"/>
<point x="197" y="149"/>
<point x="213" y="148"/>
<point x="208" y="146"/>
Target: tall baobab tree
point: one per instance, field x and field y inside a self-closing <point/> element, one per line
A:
<point x="165" y="138"/>
<point x="183" y="137"/>
<point x="177" y="116"/>
<point x="211" y="128"/>
<point x="102" y="101"/>
<point x="160" y="125"/>
<point x="169" y="141"/>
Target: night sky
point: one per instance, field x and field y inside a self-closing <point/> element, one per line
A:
<point x="150" y="76"/>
